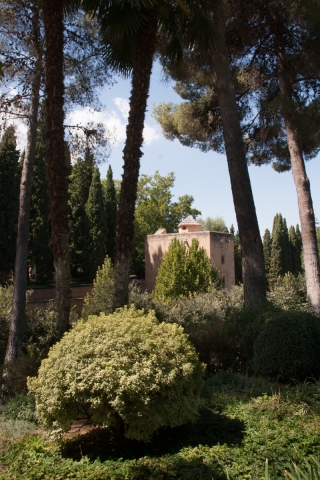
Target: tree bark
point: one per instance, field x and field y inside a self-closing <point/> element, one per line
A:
<point x="56" y="161"/>
<point x="302" y="184"/>
<point x="142" y="67"/>
<point x="253" y="269"/>
<point x="20" y="276"/>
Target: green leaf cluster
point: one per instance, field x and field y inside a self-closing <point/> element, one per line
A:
<point x="40" y="256"/>
<point x="156" y="209"/>
<point x="9" y="200"/>
<point x="100" y="299"/>
<point x="282" y="250"/>
<point x="184" y="271"/>
<point x="288" y="345"/>
<point x="124" y="366"/>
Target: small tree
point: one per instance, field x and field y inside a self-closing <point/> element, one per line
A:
<point x="184" y="272"/>
<point x="100" y="299"/>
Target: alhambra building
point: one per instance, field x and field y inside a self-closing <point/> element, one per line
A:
<point x="219" y="248"/>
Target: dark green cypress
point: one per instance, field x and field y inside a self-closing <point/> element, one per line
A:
<point x="9" y="201"/>
<point x="287" y="267"/>
<point x="267" y="243"/>
<point x="298" y="261"/>
<point x="79" y="186"/>
<point x="95" y="210"/>
<point x="40" y="256"/>
<point x="280" y="251"/>
<point x="110" y="197"/>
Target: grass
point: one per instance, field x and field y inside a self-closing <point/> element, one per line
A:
<point x="243" y="422"/>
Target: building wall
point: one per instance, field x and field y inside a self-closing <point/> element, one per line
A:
<point x="219" y="248"/>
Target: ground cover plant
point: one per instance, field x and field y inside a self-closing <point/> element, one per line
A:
<point x="243" y="421"/>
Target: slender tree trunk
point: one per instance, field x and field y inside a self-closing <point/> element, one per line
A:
<point x="253" y="270"/>
<point x="306" y="212"/>
<point x="20" y="276"/>
<point x="56" y="161"/>
<point x="142" y="67"/>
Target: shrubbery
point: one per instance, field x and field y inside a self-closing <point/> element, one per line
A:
<point x="288" y="345"/>
<point x="184" y="272"/>
<point x="289" y="292"/>
<point x="123" y="367"/>
<point x="100" y="299"/>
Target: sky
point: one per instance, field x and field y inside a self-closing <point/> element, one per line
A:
<point x="202" y="175"/>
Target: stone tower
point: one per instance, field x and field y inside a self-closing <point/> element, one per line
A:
<point x="219" y="248"/>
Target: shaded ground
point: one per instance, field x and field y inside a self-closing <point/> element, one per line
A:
<point x="103" y="443"/>
<point x="40" y="297"/>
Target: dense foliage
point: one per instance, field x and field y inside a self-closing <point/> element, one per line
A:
<point x="245" y="421"/>
<point x="155" y="208"/>
<point x="123" y="368"/>
<point x="287" y="346"/>
<point x="100" y="299"/>
<point x="185" y="271"/>
<point x="9" y="200"/>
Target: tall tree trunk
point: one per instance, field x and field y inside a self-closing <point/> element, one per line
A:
<point x="56" y="161"/>
<point x="305" y="206"/>
<point x="20" y="271"/>
<point x="253" y="270"/>
<point x="142" y="67"/>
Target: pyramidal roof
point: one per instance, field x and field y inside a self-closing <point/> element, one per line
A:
<point x="188" y="221"/>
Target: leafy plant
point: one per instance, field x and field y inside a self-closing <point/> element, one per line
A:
<point x="288" y="345"/>
<point x="289" y="292"/>
<point x="20" y="407"/>
<point x="100" y="299"/>
<point x="184" y="272"/>
<point x="124" y="369"/>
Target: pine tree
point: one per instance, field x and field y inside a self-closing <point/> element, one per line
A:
<point x="9" y="199"/>
<point x="79" y="186"/>
<point x="39" y="253"/>
<point x="95" y="211"/>
<point x="110" y="197"/>
<point x="267" y="250"/>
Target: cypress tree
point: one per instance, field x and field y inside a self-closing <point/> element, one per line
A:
<point x="39" y="252"/>
<point x="95" y="211"/>
<point x="280" y="262"/>
<point x="110" y="197"/>
<point x="9" y="200"/>
<point x="237" y="256"/>
<point x="296" y="248"/>
<point x="267" y="250"/>
<point x="79" y="186"/>
<point x="287" y="266"/>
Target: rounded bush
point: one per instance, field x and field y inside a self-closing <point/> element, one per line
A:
<point x="288" y="345"/>
<point x="123" y="367"/>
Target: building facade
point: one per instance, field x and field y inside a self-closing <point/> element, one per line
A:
<point x="219" y="248"/>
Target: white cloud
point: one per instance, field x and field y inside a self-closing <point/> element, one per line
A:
<point x="112" y="122"/>
<point x="123" y="105"/>
<point x="150" y="134"/>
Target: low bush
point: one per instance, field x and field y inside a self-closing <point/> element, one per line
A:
<point x="124" y="369"/>
<point x="100" y="299"/>
<point x="20" y="407"/>
<point x="289" y="292"/>
<point x="288" y="345"/>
